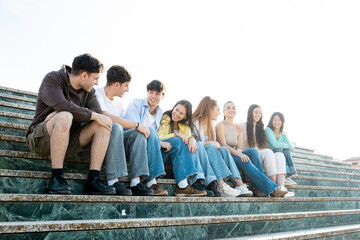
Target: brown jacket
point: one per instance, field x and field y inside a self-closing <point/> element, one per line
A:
<point x="56" y="94"/>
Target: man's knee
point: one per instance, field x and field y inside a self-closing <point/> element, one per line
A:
<point x="61" y="121"/>
<point x="117" y="130"/>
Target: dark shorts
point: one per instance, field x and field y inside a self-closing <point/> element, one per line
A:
<point x="39" y="140"/>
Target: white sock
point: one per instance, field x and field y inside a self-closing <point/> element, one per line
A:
<point x="135" y="181"/>
<point x="112" y="182"/>
<point x="183" y="183"/>
<point x="151" y="182"/>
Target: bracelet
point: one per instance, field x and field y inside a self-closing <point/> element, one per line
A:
<point x="137" y="125"/>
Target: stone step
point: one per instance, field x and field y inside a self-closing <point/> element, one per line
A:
<point x="322" y="166"/>
<point x="17" y="108"/>
<point x="37" y="182"/>
<point x="314" y="158"/>
<point x="10" y="117"/>
<point x="17" y="92"/>
<point x="15" y="143"/>
<point x="204" y="227"/>
<point x="325" y="181"/>
<point x="338" y="232"/>
<point x="13" y="129"/>
<point x="326" y="173"/>
<point x="43" y="207"/>
<point x="303" y="149"/>
<point x="17" y="99"/>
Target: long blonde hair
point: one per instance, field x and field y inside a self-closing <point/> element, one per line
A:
<point x="203" y="114"/>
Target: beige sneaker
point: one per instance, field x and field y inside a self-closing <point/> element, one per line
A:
<point x="158" y="190"/>
<point x="279" y="192"/>
<point x="245" y="192"/>
<point x="227" y="191"/>
<point x="189" y="191"/>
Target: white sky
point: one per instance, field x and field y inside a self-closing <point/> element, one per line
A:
<point x="298" y="57"/>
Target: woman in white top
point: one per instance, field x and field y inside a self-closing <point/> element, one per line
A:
<point x="254" y="137"/>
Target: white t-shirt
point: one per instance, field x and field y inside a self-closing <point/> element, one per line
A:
<point x="114" y="107"/>
<point x="149" y="120"/>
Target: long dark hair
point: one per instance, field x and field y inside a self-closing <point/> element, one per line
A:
<point x="282" y="119"/>
<point x="187" y="121"/>
<point x="203" y="113"/>
<point x="259" y="129"/>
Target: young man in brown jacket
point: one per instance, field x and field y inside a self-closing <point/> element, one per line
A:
<point x="68" y="119"/>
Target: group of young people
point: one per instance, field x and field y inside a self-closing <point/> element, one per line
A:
<point x="207" y="159"/>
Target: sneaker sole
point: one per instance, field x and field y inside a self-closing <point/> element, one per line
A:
<point x="190" y="195"/>
<point x="250" y="194"/>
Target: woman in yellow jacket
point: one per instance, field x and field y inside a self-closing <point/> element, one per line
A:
<point x="175" y="129"/>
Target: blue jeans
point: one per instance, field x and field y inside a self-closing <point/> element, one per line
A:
<point x="144" y="154"/>
<point x="204" y="164"/>
<point x="255" y="171"/>
<point x="290" y="168"/>
<point x="136" y="153"/>
<point x="184" y="163"/>
<point x="221" y="162"/>
<point x="156" y="164"/>
<point x="229" y="161"/>
<point x="115" y="160"/>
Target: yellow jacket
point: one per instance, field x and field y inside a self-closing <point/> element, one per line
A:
<point x="164" y="130"/>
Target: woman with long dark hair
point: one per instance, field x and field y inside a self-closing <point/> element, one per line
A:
<point x="229" y="134"/>
<point x="278" y="141"/>
<point x="254" y="137"/>
<point x="220" y="158"/>
<point x="175" y="128"/>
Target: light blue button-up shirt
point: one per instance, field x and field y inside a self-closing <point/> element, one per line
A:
<point x="137" y="109"/>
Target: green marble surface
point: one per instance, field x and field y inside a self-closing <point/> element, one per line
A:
<point x="176" y="233"/>
<point x="16" y="110"/>
<point x="229" y="230"/>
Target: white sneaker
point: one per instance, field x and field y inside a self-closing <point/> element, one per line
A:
<point x="289" y="182"/>
<point x="245" y="192"/>
<point x="228" y="191"/>
<point x="290" y="194"/>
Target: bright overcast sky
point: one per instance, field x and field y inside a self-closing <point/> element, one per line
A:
<point x="301" y="57"/>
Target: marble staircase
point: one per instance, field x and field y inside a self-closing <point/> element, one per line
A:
<point x="325" y="206"/>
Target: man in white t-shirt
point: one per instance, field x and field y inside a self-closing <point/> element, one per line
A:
<point x="132" y="143"/>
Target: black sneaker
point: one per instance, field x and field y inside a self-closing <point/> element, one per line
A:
<point x="141" y="190"/>
<point x="120" y="190"/>
<point x="97" y="187"/>
<point x="198" y="186"/>
<point x="213" y="187"/>
<point x="58" y="185"/>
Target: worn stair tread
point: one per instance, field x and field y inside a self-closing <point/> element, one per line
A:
<point x="16" y="105"/>
<point x="70" y="176"/>
<point x="14" y="197"/>
<point x="16" y="115"/>
<point x="315" y="158"/>
<point x="326" y="171"/>
<point x="13" y="125"/>
<point x="305" y="234"/>
<point x="79" y="176"/>
<point x="18" y="91"/>
<point x="14" y="97"/>
<point x="12" y="138"/>
<point x="107" y="224"/>
<point x="325" y="179"/>
<point x="296" y="161"/>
